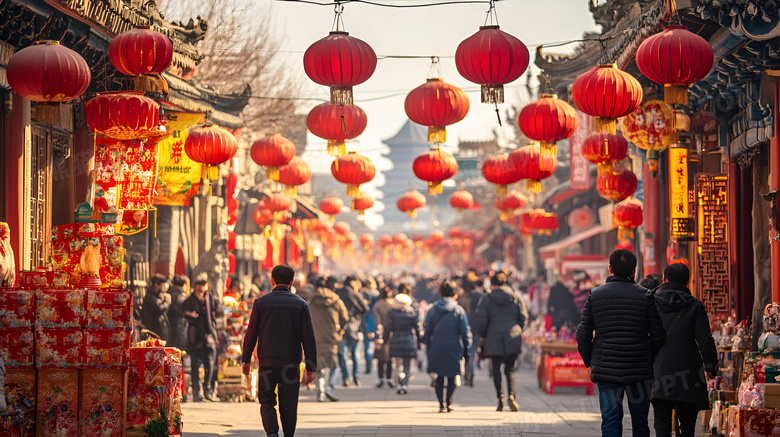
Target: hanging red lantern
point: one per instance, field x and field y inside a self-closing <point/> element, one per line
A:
<point x="676" y="58"/>
<point x="341" y="228"/>
<point x="461" y="200"/>
<point x="124" y="115"/>
<point x="49" y="74"/>
<point x="272" y="152"/>
<point x="339" y="61"/>
<point x="627" y="216"/>
<point x="603" y="149"/>
<point x="617" y="185"/>
<point x="210" y="145"/>
<point x="548" y="120"/>
<point x="294" y="173"/>
<point x="336" y="123"/>
<point x="436" y="104"/>
<point x="454" y="232"/>
<point x="331" y="206"/>
<point x="400" y="239"/>
<point x="508" y="204"/>
<point x="411" y="202"/>
<point x="232" y="210"/>
<point x="498" y="170"/>
<point x="530" y="163"/>
<point x="606" y="93"/>
<point x="434" y="167"/>
<point x="361" y="203"/>
<point x="140" y="52"/>
<point x="367" y="241"/>
<point x="437" y="236"/>
<point x="385" y="241"/>
<point x="262" y="216"/>
<point x="539" y="221"/>
<point x="353" y="169"/>
<point x="491" y="58"/>
<point x="277" y="202"/>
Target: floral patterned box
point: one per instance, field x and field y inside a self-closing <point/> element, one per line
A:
<point x="17" y="308"/>
<point x="60" y="308"/>
<point x="174" y="390"/>
<point x="19" y="419"/>
<point x="102" y="403"/>
<point x="146" y="381"/>
<point x="106" y="348"/>
<point x="58" y="403"/>
<point x="17" y="347"/>
<point x="109" y="309"/>
<point x="59" y="348"/>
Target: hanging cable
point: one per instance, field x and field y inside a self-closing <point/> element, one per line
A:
<point x="491" y="14"/>
<point x="388" y="5"/>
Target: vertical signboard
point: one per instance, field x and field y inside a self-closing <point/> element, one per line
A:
<point x="579" y="176"/>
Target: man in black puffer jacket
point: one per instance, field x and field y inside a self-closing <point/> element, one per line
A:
<point x="628" y="336"/>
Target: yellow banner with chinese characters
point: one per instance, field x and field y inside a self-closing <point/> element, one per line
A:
<point x="178" y="177"/>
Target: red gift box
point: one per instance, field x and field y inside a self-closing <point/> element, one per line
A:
<point x="146" y="370"/>
<point x="102" y="403"/>
<point x="60" y="308"/>
<point x="174" y="389"/>
<point x="106" y="348"/>
<point x="59" y="348"/>
<point x="17" y="308"/>
<point x="109" y="309"/>
<point x="17" y="347"/>
<point x="760" y="421"/>
<point x="58" y="403"/>
<point x="34" y="280"/>
<point x="19" y="419"/>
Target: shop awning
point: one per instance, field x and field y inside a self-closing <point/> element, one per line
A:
<point x="551" y="250"/>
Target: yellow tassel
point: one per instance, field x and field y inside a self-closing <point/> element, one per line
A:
<point x="548" y="148"/>
<point x="272" y="173"/>
<point x="605" y="168"/>
<point x="435" y="188"/>
<point x="336" y="148"/>
<point x="353" y="190"/>
<point x="290" y="191"/>
<point x="503" y="216"/>
<point x="624" y="233"/>
<point x="532" y="186"/>
<point x="412" y="213"/>
<point x="606" y="125"/>
<point x="213" y="172"/>
<point x="437" y="134"/>
<point x="210" y="192"/>
<point x="433" y="206"/>
<point x="333" y="218"/>
<point x="676" y="94"/>
<point x="501" y="190"/>
<point x="204" y="171"/>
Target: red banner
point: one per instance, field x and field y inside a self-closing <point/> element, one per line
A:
<point x="579" y="175"/>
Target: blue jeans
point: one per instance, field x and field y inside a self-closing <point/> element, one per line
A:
<point x="472" y="357"/>
<point x="368" y="345"/>
<point x="348" y="347"/>
<point x="611" y="403"/>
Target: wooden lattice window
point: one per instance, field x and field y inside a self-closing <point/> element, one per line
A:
<point x="37" y="195"/>
<point x="712" y="262"/>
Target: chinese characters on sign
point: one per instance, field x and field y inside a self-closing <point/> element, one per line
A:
<point x="712" y="257"/>
<point x="682" y="224"/>
<point x="178" y="176"/>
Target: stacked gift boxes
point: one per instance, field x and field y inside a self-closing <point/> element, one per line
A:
<point x="566" y="371"/>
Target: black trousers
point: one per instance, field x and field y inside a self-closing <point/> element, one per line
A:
<point x="440" y="390"/>
<point x="287" y="380"/>
<point x="686" y="417"/>
<point x="509" y="370"/>
<point x="386" y="369"/>
<point x="203" y="356"/>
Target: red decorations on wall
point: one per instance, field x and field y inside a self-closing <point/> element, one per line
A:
<point x="140" y="52"/>
<point x="606" y="93"/>
<point x="210" y="145"/>
<point x="294" y="173"/>
<point x="461" y="200"/>
<point x="548" y="120"/>
<point x="617" y="184"/>
<point x="331" y="206"/>
<point x="627" y="216"/>
<point x="498" y="170"/>
<point x="436" y="104"/>
<point x="491" y="58"/>
<point x="603" y="149"/>
<point x="539" y="221"/>
<point x="676" y="58"/>
<point x="434" y="167"/>
<point x="336" y="123"/>
<point x="411" y="202"/>
<point x="272" y="152"/>
<point x="361" y="203"/>
<point x="339" y="61"/>
<point x="124" y="115"/>
<point x="530" y="163"/>
<point x="353" y="169"/>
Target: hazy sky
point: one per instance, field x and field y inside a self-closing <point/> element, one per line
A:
<point x="429" y="31"/>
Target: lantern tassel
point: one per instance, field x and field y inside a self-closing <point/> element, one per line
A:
<point x="549" y="148"/>
<point x="290" y="191"/>
<point x="532" y="186"/>
<point x="652" y="161"/>
<point x="606" y="125"/>
<point x="336" y="148"/>
<point x="353" y="190"/>
<point x="272" y="173"/>
<point x="503" y="216"/>
<point x="435" y="188"/>
<point x="412" y="213"/>
<point x="605" y="168"/>
<point x="675" y="94"/>
<point x="437" y="134"/>
<point x="625" y="233"/>
<point x="341" y="95"/>
<point x="501" y="190"/>
<point x="213" y="172"/>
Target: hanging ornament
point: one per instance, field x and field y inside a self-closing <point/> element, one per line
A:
<point x="331" y="206"/>
<point x="509" y="204"/>
<point x="143" y="53"/>
<point x="294" y="173"/>
<point x="627" y="216"/>
<point x="461" y="200"/>
<point x="539" y="222"/>
<point x="353" y="169"/>
<point x="651" y="127"/>
<point x="606" y="93"/>
<point x="210" y="145"/>
<point x="604" y="149"/>
<point x="530" y="163"/>
<point x="434" y="167"/>
<point x="367" y="241"/>
<point x="337" y="123"/>
<point x="123" y="115"/>
<point x="362" y="203"/>
<point x="279" y="204"/>
<point x="272" y="152"/>
<point x="498" y="170"/>
<point x="436" y="104"/>
<point x="617" y="185"/>
<point x="411" y="202"/>
<point x="548" y="120"/>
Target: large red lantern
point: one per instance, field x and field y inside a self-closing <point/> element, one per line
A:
<point x="498" y="170"/>
<point x="353" y="169"/>
<point x="210" y="145"/>
<point x="331" y="206"/>
<point x="124" y="115"/>
<point x="411" y="202"/>
<point x="461" y="200"/>
<point x="294" y="173"/>
<point x="530" y="163"/>
<point x="606" y="93"/>
<point x="272" y="152"/>
<point x="361" y="203"/>
<point x="627" y="216"/>
<point x="436" y="104"/>
<point x="491" y="58"/>
<point x="140" y="52"/>
<point x="617" y="184"/>
<point x="336" y="123"/>
<point x="539" y="221"/>
<point x="603" y="149"/>
<point x="548" y="120"/>
<point x="676" y="58"/>
<point x="339" y="61"/>
<point x="435" y="166"/>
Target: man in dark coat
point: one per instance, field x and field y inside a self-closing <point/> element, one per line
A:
<point x="330" y="318"/>
<point x="201" y="310"/>
<point x="357" y="308"/>
<point x="628" y="336"/>
<point x="154" y="313"/>
<point x="178" y="335"/>
<point x="689" y="353"/>
<point x="560" y="305"/>
<point x="402" y="332"/>
<point x="281" y="329"/>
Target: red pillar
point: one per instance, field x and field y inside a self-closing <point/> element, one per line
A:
<point x="650" y="254"/>
<point x="774" y="184"/>
<point x="18" y="121"/>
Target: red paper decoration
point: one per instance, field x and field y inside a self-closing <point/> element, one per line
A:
<point x="617" y="185"/>
<point x="331" y="206"/>
<point x="627" y="216"/>
<point x="676" y="58"/>
<point x="294" y="173"/>
<point x="361" y="203"/>
<point x="434" y="167"/>
<point x="603" y="149"/>
<point x="436" y="104"/>
<point x="606" y="93"/>
<point x="353" y="169"/>
<point x="210" y="145"/>
<point x="339" y="61"/>
<point x="411" y="202"/>
<point x="341" y="228"/>
<point x="272" y="152"/>
<point x="124" y="115"/>
<point x="461" y="200"/>
<point x="491" y="58"/>
<point x="498" y="170"/>
<point x="530" y="163"/>
<point x="337" y="123"/>
<point x="548" y="120"/>
<point x="140" y="51"/>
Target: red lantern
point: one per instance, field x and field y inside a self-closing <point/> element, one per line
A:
<point x="366" y="241"/>
<point x="548" y="120"/>
<point x="434" y="167"/>
<point x="491" y="58"/>
<point x="262" y="216"/>
<point x="353" y="169"/>
<point x="210" y="145"/>
<point x="627" y="216"/>
<point x="454" y="232"/>
<point x="606" y="93"/>
<point x="508" y="204"/>
<point x="362" y="203"/>
<point x="331" y="206"/>
<point x="385" y="241"/>
<point x="411" y="202"/>
<point x="676" y="58"/>
<point x="400" y="239"/>
<point x="339" y="61"/>
<point x="341" y="228"/>
<point x="294" y="173"/>
<point x="124" y="115"/>
<point x="498" y="170"/>
<point x="617" y="185"/>
<point x="436" y="104"/>
<point x="603" y="149"/>
<point x="461" y="200"/>
<point x="530" y="163"/>
<point x="336" y="123"/>
<point x="272" y="152"/>
<point x="539" y="221"/>
<point x="279" y="204"/>
<point x="139" y="52"/>
<point x="437" y="236"/>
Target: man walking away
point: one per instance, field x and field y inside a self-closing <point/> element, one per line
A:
<point x="280" y="325"/>
<point x="628" y="336"/>
<point x="689" y="353"/>
<point x="357" y="308"/>
<point x="330" y="318"/>
<point x="154" y="314"/>
<point x="201" y="309"/>
<point x="178" y="336"/>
